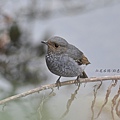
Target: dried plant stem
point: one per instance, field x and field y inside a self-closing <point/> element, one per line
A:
<point x="51" y="86"/>
<point x="96" y="88"/>
<point x="107" y="96"/>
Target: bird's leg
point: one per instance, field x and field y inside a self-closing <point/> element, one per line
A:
<point x="77" y="81"/>
<point x="58" y="82"/>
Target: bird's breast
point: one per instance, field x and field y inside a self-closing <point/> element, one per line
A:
<point x="63" y="65"/>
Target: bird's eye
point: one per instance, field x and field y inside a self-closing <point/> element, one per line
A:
<point x="56" y="45"/>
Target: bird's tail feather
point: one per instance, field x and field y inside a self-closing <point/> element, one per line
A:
<point x="84" y="75"/>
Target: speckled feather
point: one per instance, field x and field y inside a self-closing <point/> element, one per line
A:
<point x="63" y="65"/>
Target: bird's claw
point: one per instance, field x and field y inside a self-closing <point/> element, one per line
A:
<point x="58" y="83"/>
<point x="77" y="81"/>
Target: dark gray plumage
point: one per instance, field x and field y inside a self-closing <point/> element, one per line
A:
<point x="64" y="59"/>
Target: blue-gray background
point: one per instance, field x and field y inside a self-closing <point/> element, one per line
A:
<point x="96" y="32"/>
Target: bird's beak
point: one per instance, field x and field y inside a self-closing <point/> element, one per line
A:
<point x="45" y="42"/>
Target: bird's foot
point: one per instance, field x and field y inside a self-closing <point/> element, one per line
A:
<point x="77" y="81"/>
<point x="58" y="83"/>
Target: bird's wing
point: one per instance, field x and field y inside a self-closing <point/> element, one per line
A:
<point x="77" y="55"/>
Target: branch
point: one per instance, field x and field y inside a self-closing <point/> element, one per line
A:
<point x="51" y="86"/>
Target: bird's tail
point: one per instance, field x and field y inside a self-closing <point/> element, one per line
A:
<point x="84" y="60"/>
<point x="84" y="75"/>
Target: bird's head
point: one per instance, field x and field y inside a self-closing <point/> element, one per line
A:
<point x="56" y="45"/>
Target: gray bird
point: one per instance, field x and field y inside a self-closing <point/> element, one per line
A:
<point x="64" y="59"/>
